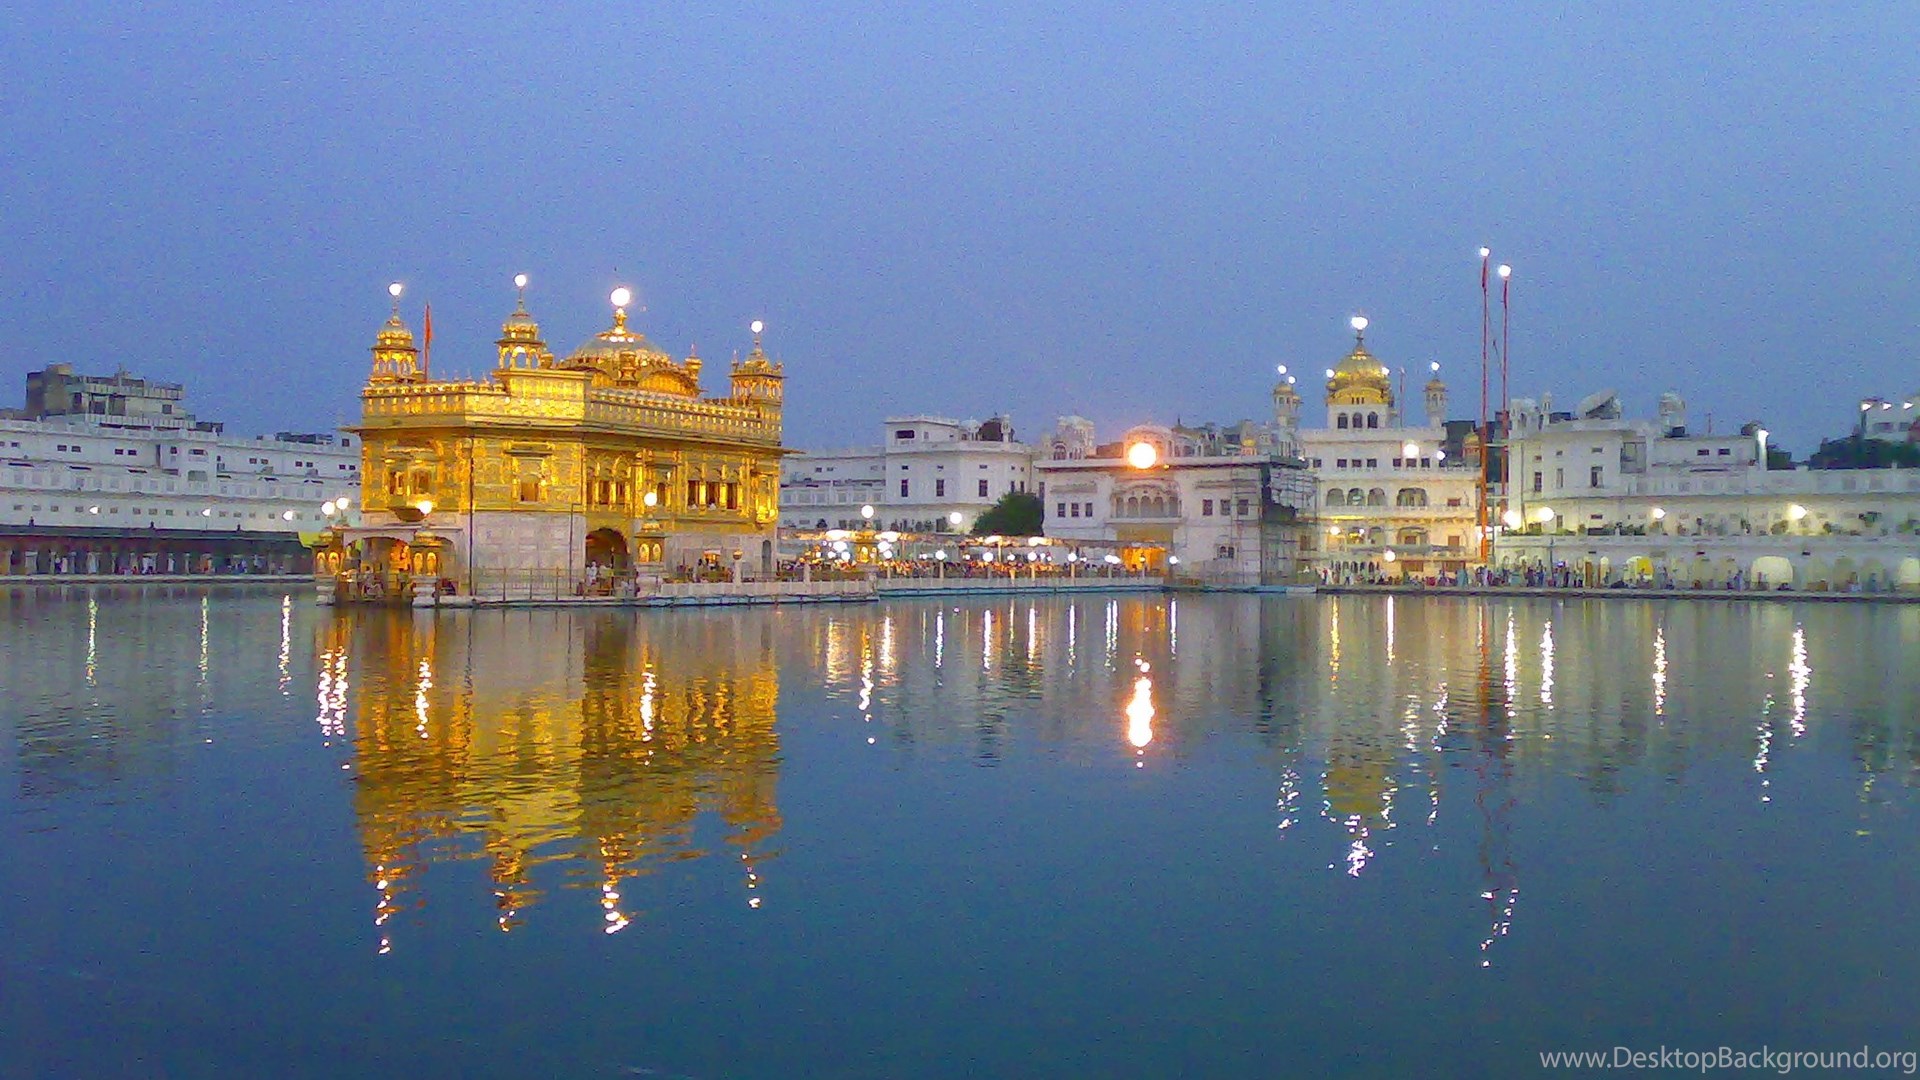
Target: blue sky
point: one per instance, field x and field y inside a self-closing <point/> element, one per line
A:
<point x="1129" y="212"/>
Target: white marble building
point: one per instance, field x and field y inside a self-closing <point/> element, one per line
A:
<point x="1394" y="499"/>
<point x="925" y="470"/>
<point x="1224" y="502"/>
<point x="119" y="452"/>
<point x="1612" y="498"/>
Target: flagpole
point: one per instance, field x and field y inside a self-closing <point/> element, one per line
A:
<point x="426" y="348"/>
<point x="1486" y="439"/>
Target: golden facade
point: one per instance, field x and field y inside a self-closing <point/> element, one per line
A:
<point x="587" y="468"/>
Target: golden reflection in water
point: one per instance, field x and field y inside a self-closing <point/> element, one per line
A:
<point x="1763" y="745"/>
<point x="1140" y="713"/>
<point x="1333" y="641"/>
<point x="544" y="738"/>
<point x="1659" y="671"/>
<point x="1802" y="677"/>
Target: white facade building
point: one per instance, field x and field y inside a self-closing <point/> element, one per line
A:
<point x="1612" y="498"/>
<point x="1394" y="499"/>
<point x="1224" y="502"/>
<point x="105" y="481"/>
<point x="925" y="470"/>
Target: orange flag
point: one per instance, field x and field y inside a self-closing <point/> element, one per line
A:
<point x="426" y="351"/>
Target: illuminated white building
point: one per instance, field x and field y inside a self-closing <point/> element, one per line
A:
<point x="111" y="475"/>
<point x="1613" y="498"/>
<point x="926" y="470"/>
<point x="1394" y="499"/>
<point x="1225" y="502"/>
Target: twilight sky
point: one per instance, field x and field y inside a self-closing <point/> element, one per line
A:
<point x="1132" y="212"/>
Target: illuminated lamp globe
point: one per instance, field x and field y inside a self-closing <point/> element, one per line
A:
<point x="1657" y="513"/>
<point x="1389" y="555"/>
<point x="621" y="297"/>
<point x="650" y="499"/>
<point x="1485" y="251"/>
<point x="1113" y="560"/>
<point x="941" y="554"/>
<point x="1512" y="519"/>
<point x="758" y="326"/>
<point x="425" y="506"/>
<point x="1358" y="322"/>
<point x="1410" y="450"/>
<point x="1142" y="455"/>
<point x="1505" y="271"/>
<point x="1329" y="373"/>
<point x="1439" y="455"/>
<point x="327" y="508"/>
<point x="1435" y="366"/>
<point x="1173" y="560"/>
<point x="1796" y="512"/>
<point x="519" y="281"/>
<point x="953" y="518"/>
<point x="394" y="290"/>
<point x="1283" y="369"/>
<point x="866" y="511"/>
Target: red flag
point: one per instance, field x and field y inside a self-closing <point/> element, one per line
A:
<point x="426" y="351"/>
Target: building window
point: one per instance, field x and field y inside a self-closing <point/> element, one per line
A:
<point x="939" y="489"/>
<point x="1076" y="510"/>
<point x="904" y="482"/>
<point x="1206" y="507"/>
<point x="1536" y="483"/>
<point x="1559" y="478"/>
<point x="1373" y="420"/>
<point x="1373" y="463"/>
<point x="1242" y="508"/>
<point x="1724" y="452"/>
<point x="1060" y="510"/>
<point x="1593" y="476"/>
<point x="1089" y="510"/>
<point x="1341" y="421"/>
<point x="983" y="486"/>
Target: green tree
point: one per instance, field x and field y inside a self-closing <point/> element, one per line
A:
<point x="1018" y="513"/>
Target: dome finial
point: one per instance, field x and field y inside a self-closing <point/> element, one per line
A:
<point x="621" y="297"/>
<point x="394" y="290"/>
<point x="1359" y="324"/>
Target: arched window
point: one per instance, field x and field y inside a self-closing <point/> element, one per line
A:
<point x="1133" y="506"/>
<point x="1377" y="497"/>
<point x="1373" y="420"/>
<point x="1336" y="497"/>
<point x="1340" y="421"/>
<point x="1356" y="497"/>
<point x="1411" y="497"/>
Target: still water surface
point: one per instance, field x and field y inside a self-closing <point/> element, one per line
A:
<point x="1125" y="836"/>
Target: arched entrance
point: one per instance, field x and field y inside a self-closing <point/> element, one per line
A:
<point x="607" y="558"/>
<point x="1772" y="572"/>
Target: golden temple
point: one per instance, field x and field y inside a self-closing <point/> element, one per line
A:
<point x="588" y="472"/>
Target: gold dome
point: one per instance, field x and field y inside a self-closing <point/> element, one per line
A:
<point x="520" y="344"/>
<point x="1360" y="378"/>
<point x="623" y="358"/>
<point x="394" y="357"/>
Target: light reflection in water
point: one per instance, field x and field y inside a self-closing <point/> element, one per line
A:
<point x="1802" y="677"/>
<point x="1140" y="713"/>
<point x="1660" y="671"/>
<point x="286" y="644"/>
<point x="562" y="754"/>
<point x="1546" y="665"/>
<point x="93" y="641"/>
